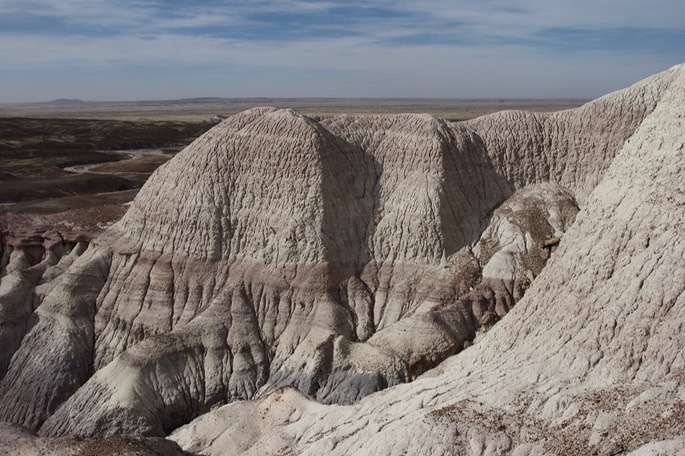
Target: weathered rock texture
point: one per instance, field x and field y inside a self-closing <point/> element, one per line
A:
<point x="590" y="361"/>
<point x="345" y="255"/>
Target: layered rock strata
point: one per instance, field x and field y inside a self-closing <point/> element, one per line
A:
<point x="340" y="256"/>
<point x="590" y="361"/>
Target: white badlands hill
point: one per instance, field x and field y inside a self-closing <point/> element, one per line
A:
<point x="307" y="263"/>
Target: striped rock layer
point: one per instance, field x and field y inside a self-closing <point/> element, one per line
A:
<point x="344" y="255"/>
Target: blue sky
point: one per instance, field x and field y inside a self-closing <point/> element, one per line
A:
<point x="134" y="49"/>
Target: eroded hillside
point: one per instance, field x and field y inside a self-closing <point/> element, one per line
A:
<point x="281" y="254"/>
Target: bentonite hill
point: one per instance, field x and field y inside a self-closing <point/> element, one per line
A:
<point x="370" y="284"/>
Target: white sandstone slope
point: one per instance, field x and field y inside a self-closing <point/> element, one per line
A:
<point x="591" y="361"/>
<point x="572" y="148"/>
<point x="346" y="255"/>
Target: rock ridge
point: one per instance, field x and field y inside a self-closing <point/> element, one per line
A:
<point x="339" y="256"/>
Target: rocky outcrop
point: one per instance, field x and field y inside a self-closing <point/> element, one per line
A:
<point x="590" y="361"/>
<point x="252" y="287"/>
<point x="40" y="257"/>
<point x="575" y="147"/>
<point x="345" y="255"/>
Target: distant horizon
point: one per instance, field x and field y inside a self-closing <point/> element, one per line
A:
<point x="429" y="49"/>
<point x="229" y="99"/>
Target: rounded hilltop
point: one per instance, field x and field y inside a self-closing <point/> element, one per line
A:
<point x="507" y="281"/>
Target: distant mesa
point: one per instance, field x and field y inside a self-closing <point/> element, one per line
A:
<point x="513" y="283"/>
<point x="66" y="101"/>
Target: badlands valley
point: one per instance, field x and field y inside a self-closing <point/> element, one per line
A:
<point x="381" y="284"/>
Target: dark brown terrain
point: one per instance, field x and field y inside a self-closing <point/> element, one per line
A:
<point x="48" y="165"/>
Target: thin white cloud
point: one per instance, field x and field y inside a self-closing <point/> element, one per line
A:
<point x="83" y="12"/>
<point x="473" y="48"/>
<point x="483" y="19"/>
<point x="535" y="14"/>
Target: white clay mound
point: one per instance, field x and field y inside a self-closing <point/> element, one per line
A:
<point x="290" y="267"/>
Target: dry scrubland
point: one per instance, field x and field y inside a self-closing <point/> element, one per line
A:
<point x="382" y="284"/>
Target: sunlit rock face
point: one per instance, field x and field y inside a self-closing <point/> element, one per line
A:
<point x="344" y="255"/>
